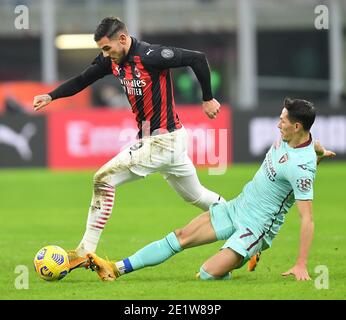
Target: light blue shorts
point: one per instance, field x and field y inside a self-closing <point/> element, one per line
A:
<point x="239" y="237"/>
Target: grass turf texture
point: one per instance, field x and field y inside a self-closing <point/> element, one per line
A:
<point x="39" y="207"/>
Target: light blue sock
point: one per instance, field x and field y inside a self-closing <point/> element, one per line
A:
<point x="154" y="253"/>
<point x="204" y="275"/>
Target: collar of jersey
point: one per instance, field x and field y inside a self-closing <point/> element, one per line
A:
<point x="131" y="51"/>
<point x="302" y="145"/>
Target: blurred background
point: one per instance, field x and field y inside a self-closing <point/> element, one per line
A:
<point x="259" y="51"/>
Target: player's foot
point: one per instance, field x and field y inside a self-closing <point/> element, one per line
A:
<point x="77" y="261"/>
<point x="106" y="270"/>
<point x="251" y="265"/>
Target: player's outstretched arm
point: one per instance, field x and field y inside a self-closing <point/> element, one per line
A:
<point x="66" y="89"/>
<point x="200" y="66"/>
<point x="322" y="152"/>
<point x="98" y="69"/>
<point x="299" y="270"/>
<point x="161" y="57"/>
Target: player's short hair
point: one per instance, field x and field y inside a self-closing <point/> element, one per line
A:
<point x="301" y="111"/>
<point x="109" y="27"/>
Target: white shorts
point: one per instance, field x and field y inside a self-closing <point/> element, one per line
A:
<point x="164" y="153"/>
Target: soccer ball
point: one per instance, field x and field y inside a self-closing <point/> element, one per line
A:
<point x="51" y="263"/>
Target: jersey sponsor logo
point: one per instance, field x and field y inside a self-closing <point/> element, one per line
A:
<point x="269" y="168"/>
<point x="133" y="86"/>
<point x="167" y="53"/>
<point x="133" y="83"/>
<point x="284" y="158"/>
<point x="304" y="184"/>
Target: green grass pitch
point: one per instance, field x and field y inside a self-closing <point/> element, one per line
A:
<point x="40" y="207"/>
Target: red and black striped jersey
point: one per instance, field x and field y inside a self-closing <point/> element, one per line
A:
<point x="146" y="78"/>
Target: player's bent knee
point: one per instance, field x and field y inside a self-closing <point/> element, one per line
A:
<point x="179" y="235"/>
<point x="99" y="177"/>
<point x="182" y="237"/>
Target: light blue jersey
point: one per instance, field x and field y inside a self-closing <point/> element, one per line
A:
<point x="286" y="174"/>
<point x="254" y="218"/>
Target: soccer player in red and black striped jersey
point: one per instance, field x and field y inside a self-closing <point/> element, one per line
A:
<point x="144" y="72"/>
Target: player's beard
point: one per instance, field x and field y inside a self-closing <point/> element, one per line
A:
<point x="121" y="57"/>
<point x="286" y="139"/>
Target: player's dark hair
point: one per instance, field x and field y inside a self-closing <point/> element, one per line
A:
<point x="109" y="27"/>
<point x="301" y="111"/>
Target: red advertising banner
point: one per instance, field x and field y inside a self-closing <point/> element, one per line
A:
<point x="88" y="139"/>
<point x="22" y="94"/>
<point x="210" y="141"/>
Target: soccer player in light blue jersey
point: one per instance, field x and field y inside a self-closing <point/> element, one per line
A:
<point x="250" y="222"/>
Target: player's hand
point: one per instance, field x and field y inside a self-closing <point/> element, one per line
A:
<point x="321" y="152"/>
<point x="299" y="271"/>
<point x="41" y="101"/>
<point x="211" y="108"/>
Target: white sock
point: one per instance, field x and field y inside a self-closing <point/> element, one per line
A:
<point x="99" y="213"/>
<point x="121" y="267"/>
<point x="89" y="242"/>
